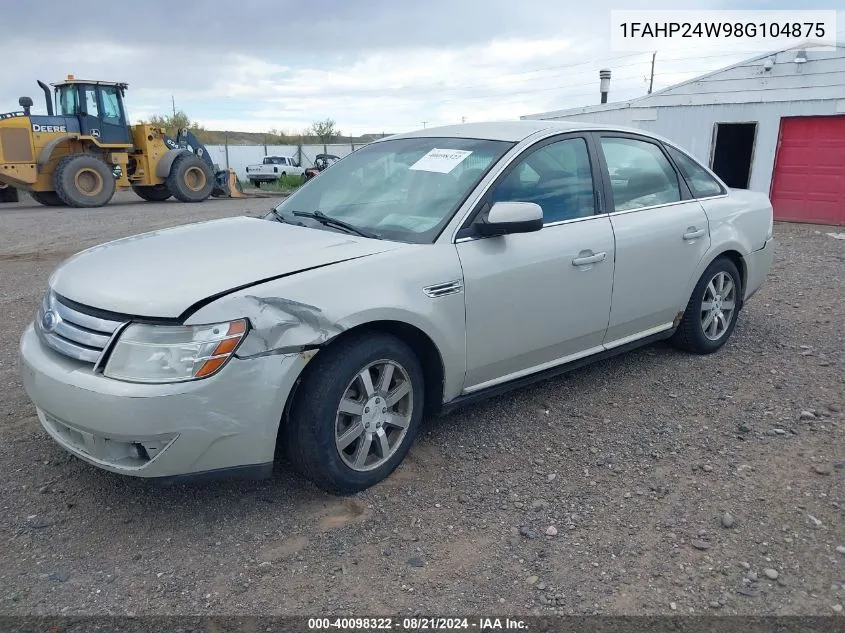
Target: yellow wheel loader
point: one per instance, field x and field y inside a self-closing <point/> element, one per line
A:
<point x="83" y="150"/>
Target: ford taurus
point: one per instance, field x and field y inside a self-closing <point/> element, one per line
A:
<point x="421" y="272"/>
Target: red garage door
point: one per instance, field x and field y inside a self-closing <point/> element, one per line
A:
<point x="809" y="178"/>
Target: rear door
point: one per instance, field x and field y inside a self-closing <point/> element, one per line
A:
<point x="536" y="300"/>
<point x="662" y="233"/>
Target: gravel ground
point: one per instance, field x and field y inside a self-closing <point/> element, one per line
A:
<point x="653" y="483"/>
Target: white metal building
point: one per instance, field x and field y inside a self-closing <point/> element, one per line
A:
<point x="774" y="123"/>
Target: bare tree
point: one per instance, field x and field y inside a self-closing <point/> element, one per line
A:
<point x="324" y="130"/>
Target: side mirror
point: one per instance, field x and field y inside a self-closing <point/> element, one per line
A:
<point x="512" y="217"/>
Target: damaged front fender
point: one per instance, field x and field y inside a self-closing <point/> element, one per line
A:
<point x="277" y="325"/>
<point x="282" y="326"/>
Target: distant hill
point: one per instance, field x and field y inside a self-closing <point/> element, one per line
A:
<point x="217" y="137"/>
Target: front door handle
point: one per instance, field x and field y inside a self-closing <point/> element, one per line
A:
<point x="694" y="233"/>
<point x="586" y="260"/>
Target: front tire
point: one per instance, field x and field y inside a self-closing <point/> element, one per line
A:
<point x="190" y="179"/>
<point x="153" y="193"/>
<point x="711" y="313"/>
<point x="356" y="413"/>
<point x="83" y="181"/>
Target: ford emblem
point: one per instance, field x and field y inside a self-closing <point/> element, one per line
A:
<point x="49" y="321"/>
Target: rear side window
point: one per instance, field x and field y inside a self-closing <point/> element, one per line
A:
<point x="640" y="174"/>
<point x="701" y="184"/>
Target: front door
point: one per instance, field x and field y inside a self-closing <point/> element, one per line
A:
<point x="536" y="300"/>
<point x="661" y="236"/>
<point x="103" y="116"/>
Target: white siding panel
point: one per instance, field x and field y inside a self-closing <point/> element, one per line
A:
<point x="822" y="77"/>
<point x="692" y="128"/>
<point x="752" y="95"/>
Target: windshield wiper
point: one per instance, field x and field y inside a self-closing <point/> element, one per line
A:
<point x="325" y="220"/>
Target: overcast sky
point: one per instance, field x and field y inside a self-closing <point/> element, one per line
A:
<point x="372" y="65"/>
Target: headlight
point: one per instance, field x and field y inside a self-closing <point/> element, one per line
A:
<point x="165" y="353"/>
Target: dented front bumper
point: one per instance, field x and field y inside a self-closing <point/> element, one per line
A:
<point x="228" y="422"/>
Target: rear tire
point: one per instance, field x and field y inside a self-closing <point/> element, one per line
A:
<point x="8" y="194"/>
<point x="190" y="179"/>
<point x="47" y="198"/>
<point x="154" y="193"/>
<point x="83" y="181"/>
<point x="321" y="418"/>
<point x="711" y="313"/>
<point x="256" y="183"/>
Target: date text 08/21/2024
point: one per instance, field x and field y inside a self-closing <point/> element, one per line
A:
<point x="415" y="624"/>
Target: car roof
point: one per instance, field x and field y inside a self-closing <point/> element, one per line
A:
<point x="513" y="131"/>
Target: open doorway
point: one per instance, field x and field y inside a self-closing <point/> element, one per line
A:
<point x="733" y="150"/>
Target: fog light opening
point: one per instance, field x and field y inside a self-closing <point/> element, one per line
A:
<point x="139" y="452"/>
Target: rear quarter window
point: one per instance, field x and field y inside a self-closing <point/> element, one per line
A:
<point x="700" y="182"/>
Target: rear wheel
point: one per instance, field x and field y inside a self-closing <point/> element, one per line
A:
<point x="8" y="194"/>
<point x="356" y="413"/>
<point x="47" y="198"/>
<point x="710" y="316"/>
<point x="256" y="183"/>
<point x="154" y="193"/>
<point x="83" y="180"/>
<point x="190" y="179"/>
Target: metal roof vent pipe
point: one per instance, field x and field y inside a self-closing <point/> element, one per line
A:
<point x="604" y="76"/>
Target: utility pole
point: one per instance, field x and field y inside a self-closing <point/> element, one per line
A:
<point x="424" y="122"/>
<point x="651" y="78"/>
<point x="173" y="101"/>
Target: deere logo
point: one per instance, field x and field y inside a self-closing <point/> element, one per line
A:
<point x="48" y="128"/>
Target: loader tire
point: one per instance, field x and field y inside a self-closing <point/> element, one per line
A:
<point x="154" y="193"/>
<point x="8" y="194"/>
<point x="83" y="180"/>
<point x="190" y="179"/>
<point x="47" y="198"/>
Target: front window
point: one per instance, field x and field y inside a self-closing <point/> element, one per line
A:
<point x="405" y="189"/>
<point x="91" y="101"/>
<point x="67" y="101"/>
<point x="558" y="177"/>
<point x="111" y="104"/>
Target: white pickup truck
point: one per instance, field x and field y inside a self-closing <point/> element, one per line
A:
<point x="272" y="168"/>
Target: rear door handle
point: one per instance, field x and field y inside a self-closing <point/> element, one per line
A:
<point x="694" y="233"/>
<point x="586" y="260"/>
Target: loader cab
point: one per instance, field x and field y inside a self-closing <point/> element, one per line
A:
<point x="98" y="106"/>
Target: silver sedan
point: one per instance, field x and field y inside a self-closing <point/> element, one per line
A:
<point x="420" y="273"/>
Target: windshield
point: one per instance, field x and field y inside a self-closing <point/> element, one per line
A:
<point x="405" y="190"/>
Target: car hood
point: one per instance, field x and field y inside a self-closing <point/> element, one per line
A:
<point x="163" y="273"/>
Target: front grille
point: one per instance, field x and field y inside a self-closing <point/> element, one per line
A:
<point x="74" y="332"/>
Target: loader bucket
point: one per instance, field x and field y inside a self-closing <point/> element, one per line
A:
<point x="226" y="185"/>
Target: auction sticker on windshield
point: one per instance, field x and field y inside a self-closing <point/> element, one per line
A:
<point x="441" y="161"/>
